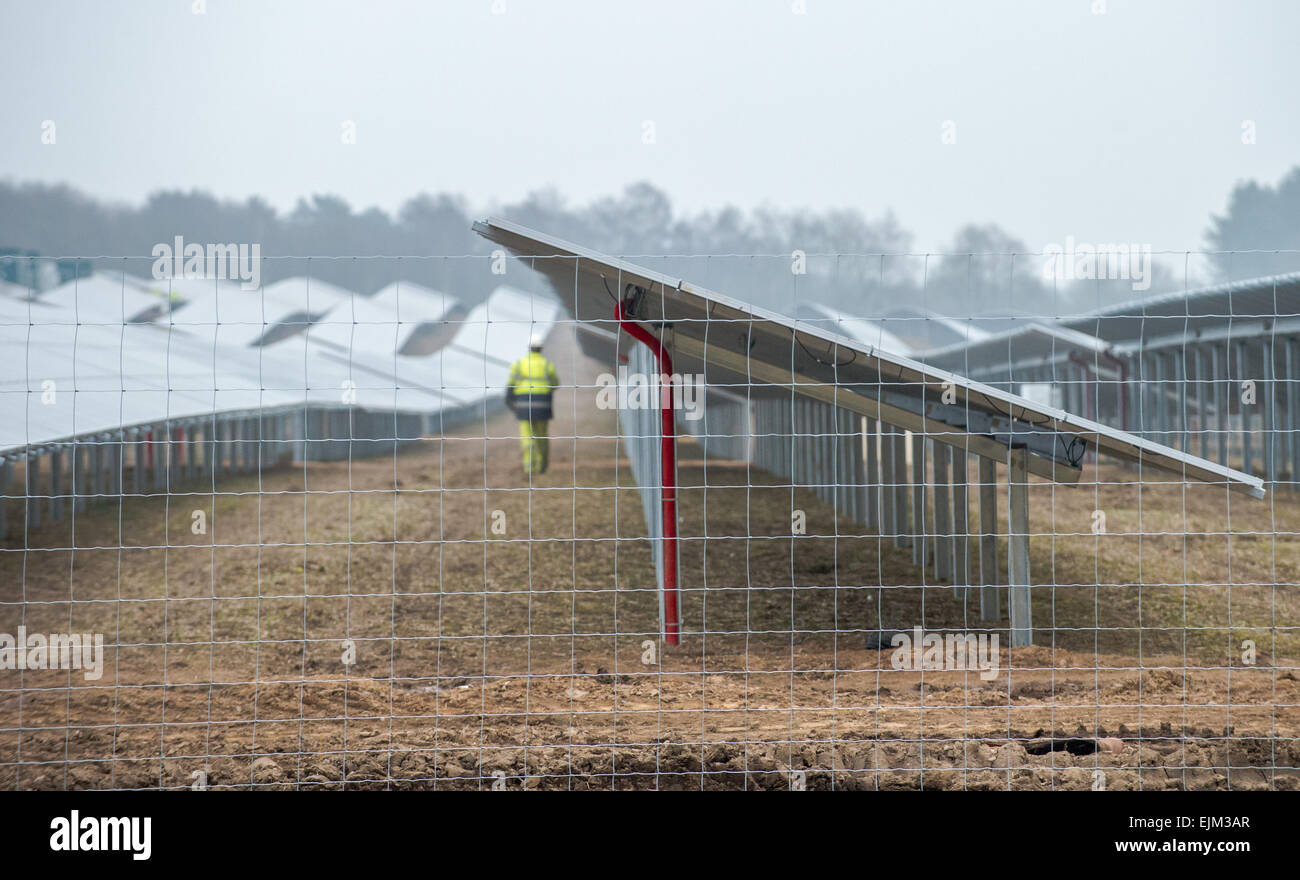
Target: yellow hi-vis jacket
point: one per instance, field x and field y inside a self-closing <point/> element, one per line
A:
<point x="533" y="374"/>
<point x="532" y="381"/>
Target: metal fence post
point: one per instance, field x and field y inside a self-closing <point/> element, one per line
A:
<point x="6" y="483"/>
<point x="942" y="513"/>
<point x="79" y="476"/>
<point x="56" y="485"/>
<point x="858" y="451"/>
<point x="96" y="470"/>
<point x="1293" y="410"/>
<point x="885" y="492"/>
<point x="115" y="460"/>
<point x="1022" y="631"/>
<point x="1198" y="365"/>
<point x="901" y="537"/>
<point x="1220" y="402"/>
<point x="872" y="476"/>
<point x="1243" y="368"/>
<point x="920" y="529"/>
<point x="960" y="522"/>
<point x="988" y="499"/>
<point x="1269" y="416"/>
<point x="32" y="481"/>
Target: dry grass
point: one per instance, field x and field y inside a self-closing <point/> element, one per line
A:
<point x="230" y="642"/>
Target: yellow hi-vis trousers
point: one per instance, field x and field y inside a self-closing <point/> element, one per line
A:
<point x="535" y="446"/>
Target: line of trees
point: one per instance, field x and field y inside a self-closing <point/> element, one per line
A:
<point x="57" y="220"/>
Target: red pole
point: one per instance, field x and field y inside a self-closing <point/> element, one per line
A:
<point x="668" y="469"/>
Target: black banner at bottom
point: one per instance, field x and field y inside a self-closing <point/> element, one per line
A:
<point x="142" y="830"/>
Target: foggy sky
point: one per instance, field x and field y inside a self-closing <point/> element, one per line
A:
<point x="1123" y="126"/>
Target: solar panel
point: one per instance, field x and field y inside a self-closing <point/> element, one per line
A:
<point x="104" y="298"/>
<point x="755" y="349"/>
<point x="251" y="317"/>
<point x="1031" y="343"/>
<point x="78" y="368"/>
<point x="106" y="375"/>
<point x="836" y="321"/>
<point x="383" y="323"/>
<point x="1274" y="301"/>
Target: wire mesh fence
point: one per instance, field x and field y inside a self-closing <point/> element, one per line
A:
<point x="292" y="536"/>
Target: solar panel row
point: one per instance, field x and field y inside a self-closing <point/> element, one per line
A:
<point x="101" y="369"/>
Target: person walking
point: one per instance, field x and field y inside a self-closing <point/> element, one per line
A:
<point x="533" y="380"/>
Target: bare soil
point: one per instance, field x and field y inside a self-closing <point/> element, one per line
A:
<point x="529" y="657"/>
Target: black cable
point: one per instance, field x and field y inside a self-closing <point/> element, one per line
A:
<point x="819" y="360"/>
<point x="604" y="281"/>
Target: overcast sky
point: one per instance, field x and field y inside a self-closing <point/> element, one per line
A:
<point x="1122" y="126"/>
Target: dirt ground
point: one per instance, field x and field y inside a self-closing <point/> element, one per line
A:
<point x="527" y="656"/>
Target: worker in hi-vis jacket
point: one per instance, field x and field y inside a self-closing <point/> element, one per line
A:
<point x="533" y="380"/>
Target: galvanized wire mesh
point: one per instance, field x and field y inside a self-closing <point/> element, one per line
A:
<point x="336" y="573"/>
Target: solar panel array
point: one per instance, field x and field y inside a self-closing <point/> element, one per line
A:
<point x="1210" y="371"/>
<point x="445" y="618"/>
<point x="826" y="403"/>
<point x="103" y="367"/>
